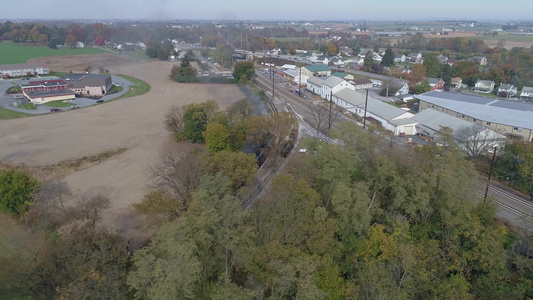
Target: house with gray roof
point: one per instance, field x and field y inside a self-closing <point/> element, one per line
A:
<point x="314" y="84"/>
<point x="507" y="90"/>
<point x="15" y="70"/>
<point x="509" y="118"/>
<point x="389" y="117"/>
<point x="333" y="84"/>
<point x="527" y="93"/>
<point x="484" y="86"/>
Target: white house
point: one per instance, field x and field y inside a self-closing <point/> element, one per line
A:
<point x="527" y="93"/>
<point x="337" y="61"/>
<point x="333" y="84"/>
<point x="399" y="58"/>
<point x="14" y="70"/>
<point x="363" y="83"/>
<point x="288" y="67"/>
<point x="295" y="76"/>
<point x="484" y="86"/>
<point x="378" y="112"/>
<point x="507" y="90"/>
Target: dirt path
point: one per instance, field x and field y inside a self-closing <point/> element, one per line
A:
<point x="135" y="123"/>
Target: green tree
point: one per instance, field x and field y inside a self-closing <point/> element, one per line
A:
<point x="16" y="189"/>
<point x="446" y="75"/>
<point x="388" y="57"/>
<point x="368" y="62"/>
<point x="432" y="64"/>
<point x="184" y="74"/>
<point x="216" y="137"/>
<point x="467" y="71"/>
<point x="195" y="119"/>
<point x="239" y="167"/>
<point x="244" y="71"/>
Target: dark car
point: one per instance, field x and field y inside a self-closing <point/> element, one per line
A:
<point x="55" y="110"/>
<point x="99" y="101"/>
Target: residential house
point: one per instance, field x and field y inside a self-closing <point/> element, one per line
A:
<point x="88" y="84"/>
<point x="442" y="59"/>
<point x="436" y="84"/>
<point x="415" y="58"/>
<point x="431" y="121"/>
<point x="316" y="70"/>
<point x="457" y="82"/>
<point x="484" y="86"/>
<point x="378" y="112"/>
<point x="344" y="76"/>
<point x="399" y="58"/>
<point x="322" y="59"/>
<point x="376" y="57"/>
<point x="451" y="61"/>
<point x="481" y="60"/>
<point x="288" y="67"/>
<point x="332" y="85"/>
<point x="398" y="88"/>
<point x="363" y="83"/>
<point x="507" y="90"/>
<point x="510" y="118"/>
<point x="527" y="93"/>
<point x="337" y="61"/>
<point x="15" y="70"/>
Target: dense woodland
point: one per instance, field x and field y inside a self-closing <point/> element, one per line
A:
<point x="351" y="221"/>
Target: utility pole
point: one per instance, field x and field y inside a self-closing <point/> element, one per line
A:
<point x="490" y="174"/>
<point x="366" y="105"/>
<point x="330" y="103"/>
<point x="273" y="77"/>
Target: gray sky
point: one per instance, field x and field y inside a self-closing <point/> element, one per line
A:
<point x="267" y="10"/>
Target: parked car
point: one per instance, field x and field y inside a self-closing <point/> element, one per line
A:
<point x="99" y="101"/>
<point x="74" y="106"/>
<point x="55" y="110"/>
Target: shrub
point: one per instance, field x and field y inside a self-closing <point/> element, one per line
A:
<point x="16" y="189"/>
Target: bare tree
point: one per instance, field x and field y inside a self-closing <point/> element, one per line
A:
<point x="177" y="174"/>
<point x="174" y="119"/>
<point x="324" y="117"/>
<point x="476" y="140"/>
<point x="91" y="208"/>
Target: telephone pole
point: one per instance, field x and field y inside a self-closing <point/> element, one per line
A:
<point x="330" y="103"/>
<point x="490" y="174"/>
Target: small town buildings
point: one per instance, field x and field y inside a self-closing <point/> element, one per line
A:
<point x="314" y="84"/>
<point x="507" y="90"/>
<point x="398" y="88"/>
<point x="332" y="85"/>
<point x="484" y="86"/>
<point x="316" y="70"/>
<point x="295" y="76"/>
<point x="336" y="61"/>
<point x="378" y="112"/>
<point x="481" y="60"/>
<point x="436" y="84"/>
<point x="431" y="121"/>
<point x="457" y="82"/>
<point x="17" y="70"/>
<point x="344" y="76"/>
<point x="363" y="83"/>
<point x="509" y="118"/>
<point x="288" y="67"/>
<point x="42" y="91"/>
<point x="527" y="93"/>
<point x="87" y="84"/>
<point x="399" y="58"/>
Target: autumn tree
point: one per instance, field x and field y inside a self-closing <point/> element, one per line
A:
<point x="216" y="137"/>
<point x="417" y="74"/>
<point x="271" y="130"/>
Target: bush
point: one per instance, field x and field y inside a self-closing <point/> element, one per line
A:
<point x="16" y="189"/>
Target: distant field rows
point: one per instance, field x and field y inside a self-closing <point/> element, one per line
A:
<point x="15" y="53"/>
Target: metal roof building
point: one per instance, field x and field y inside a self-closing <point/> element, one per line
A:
<point x="510" y="118"/>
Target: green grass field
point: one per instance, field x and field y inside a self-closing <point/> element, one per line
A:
<point x="140" y="88"/>
<point x="58" y="103"/>
<point x="9" y="114"/>
<point x="140" y="54"/>
<point x="14" y="53"/>
<point x="27" y="106"/>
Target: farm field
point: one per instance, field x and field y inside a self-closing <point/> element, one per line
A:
<point x="14" y="53"/>
<point x="135" y="124"/>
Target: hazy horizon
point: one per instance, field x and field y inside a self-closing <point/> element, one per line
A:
<point x="274" y="10"/>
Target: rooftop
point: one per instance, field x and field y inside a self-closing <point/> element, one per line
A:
<point x="511" y="113"/>
<point x="317" y="68"/>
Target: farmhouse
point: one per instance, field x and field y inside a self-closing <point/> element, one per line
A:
<point x="16" y="70"/>
<point x="389" y="117"/>
<point x="509" y="118"/>
<point x="39" y="92"/>
<point x="89" y="84"/>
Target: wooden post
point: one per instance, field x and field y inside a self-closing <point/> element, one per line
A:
<point x="330" y="103"/>
<point x="490" y="174"/>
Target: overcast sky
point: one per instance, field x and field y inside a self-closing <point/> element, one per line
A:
<point x="267" y="10"/>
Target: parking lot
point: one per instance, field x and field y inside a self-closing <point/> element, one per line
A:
<point x="6" y="100"/>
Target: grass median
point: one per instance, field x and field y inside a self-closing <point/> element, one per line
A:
<point x="138" y="89"/>
<point x="10" y="114"/>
